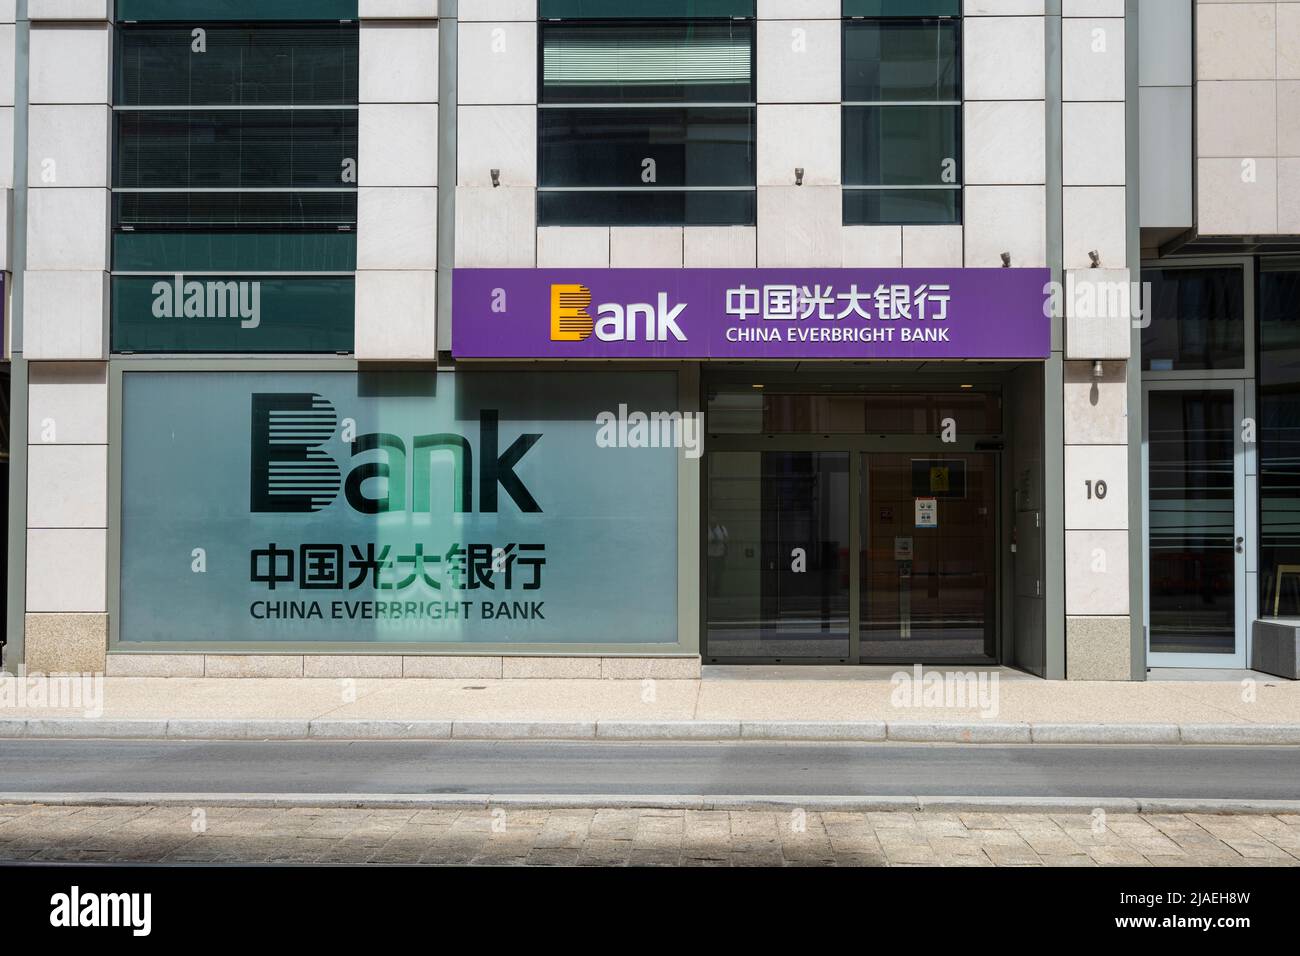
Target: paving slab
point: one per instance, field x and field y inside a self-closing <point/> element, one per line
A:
<point x="1274" y="701"/>
<point x="536" y="700"/>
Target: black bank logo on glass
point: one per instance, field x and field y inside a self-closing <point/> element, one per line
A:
<point x="290" y="473"/>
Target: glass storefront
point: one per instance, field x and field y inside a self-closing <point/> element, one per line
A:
<point x="1197" y="363"/>
<point x="397" y="507"/>
<point x="1221" y="379"/>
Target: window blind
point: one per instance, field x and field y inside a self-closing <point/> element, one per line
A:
<point x="647" y="58"/>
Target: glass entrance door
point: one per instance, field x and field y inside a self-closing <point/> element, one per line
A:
<point x="777" y="556"/>
<point x="1196" y="524"/>
<point x="929" y="546"/>
<point x="845" y="556"/>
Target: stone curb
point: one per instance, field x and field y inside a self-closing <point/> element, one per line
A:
<point x="109" y="728"/>
<point x="54" y="727"/>
<point x="1240" y="733"/>
<point x="668" y="729"/>
<point x="380" y="729"/>
<point x="487" y="801"/>
<point x="978" y="733"/>
<point x="871" y="731"/>
<point x="523" y="730"/>
<point x="1107" y="733"/>
<point x="918" y="732"/>
<point x="199" y="729"/>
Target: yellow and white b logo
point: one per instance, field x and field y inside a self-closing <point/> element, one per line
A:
<point x="570" y="320"/>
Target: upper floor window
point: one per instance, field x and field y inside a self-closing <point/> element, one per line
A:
<point x="902" y="112"/>
<point x="235" y="152"/>
<point x="646" y="115"/>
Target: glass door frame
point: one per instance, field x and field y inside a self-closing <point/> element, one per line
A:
<point x="1242" y="539"/>
<point x="858" y="447"/>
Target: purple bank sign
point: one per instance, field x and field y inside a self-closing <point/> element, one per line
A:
<point x="751" y="314"/>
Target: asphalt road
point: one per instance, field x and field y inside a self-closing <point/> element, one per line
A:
<point x="667" y="769"/>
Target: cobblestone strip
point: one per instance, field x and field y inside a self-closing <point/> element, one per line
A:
<point x="622" y="837"/>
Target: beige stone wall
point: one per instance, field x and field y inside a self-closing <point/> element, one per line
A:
<point x="67" y="516"/>
<point x="1097" y="327"/>
<point x="397" y="195"/>
<point x="1248" y="117"/>
<point x="65" y="329"/>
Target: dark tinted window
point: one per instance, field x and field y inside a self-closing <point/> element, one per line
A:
<point x="201" y="149"/>
<point x="647" y="122"/>
<point x="235" y="155"/>
<point x="1279" y="441"/>
<point x="1195" y="319"/>
<point x="241" y="66"/>
<point x="609" y="147"/>
<point x="902" y="116"/>
<point x="902" y="60"/>
<point x="900" y="145"/>
<point x="641" y="208"/>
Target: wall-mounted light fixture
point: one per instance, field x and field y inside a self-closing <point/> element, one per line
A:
<point x="496" y="178"/>
<point x="798" y="175"/>
<point x="1098" y="370"/>
<point x="1006" y="260"/>
<point x="1095" y="256"/>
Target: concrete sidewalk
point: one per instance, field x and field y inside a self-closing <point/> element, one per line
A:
<point x="1257" y="711"/>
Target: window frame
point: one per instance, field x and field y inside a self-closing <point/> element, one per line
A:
<point x="750" y="105"/>
<point x="339" y="274"/>
<point x="1250" y="318"/>
<point x="958" y="106"/>
<point x="122" y="31"/>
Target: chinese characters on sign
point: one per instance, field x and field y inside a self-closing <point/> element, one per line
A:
<point x="823" y="304"/>
<point x="791" y="303"/>
<point x="324" y="567"/>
